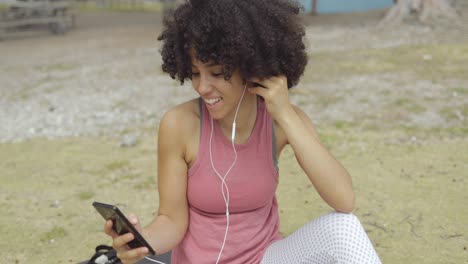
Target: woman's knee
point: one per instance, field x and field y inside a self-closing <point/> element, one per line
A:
<point x="348" y="241"/>
<point x="339" y="224"/>
<point x="339" y="237"/>
<point x="348" y="219"/>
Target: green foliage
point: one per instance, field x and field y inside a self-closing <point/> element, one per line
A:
<point x="86" y="195"/>
<point x="55" y="233"/>
<point x="116" y="165"/>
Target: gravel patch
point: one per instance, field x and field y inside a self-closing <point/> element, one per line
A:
<point x="107" y="80"/>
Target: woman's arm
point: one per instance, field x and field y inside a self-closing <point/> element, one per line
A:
<point x="170" y="225"/>
<point x="329" y="177"/>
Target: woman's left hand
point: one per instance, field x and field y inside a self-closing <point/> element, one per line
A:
<point x="274" y="91"/>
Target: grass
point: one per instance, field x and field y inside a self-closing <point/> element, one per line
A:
<point x="55" y="233"/>
<point x="460" y="90"/>
<point x="447" y="61"/>
<point x="394" y="182"/>
<point x="25" y="93"/>
<point x="409" y="105"/>
<point x="57" y="67"/>
<point x="86" y="195"/>
<point x="53" y="184"/>
<point x="115" y="165"/>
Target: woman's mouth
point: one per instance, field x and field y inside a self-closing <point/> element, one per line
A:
<point x="212" y="101"/>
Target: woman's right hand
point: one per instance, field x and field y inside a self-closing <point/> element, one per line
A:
<point x="126" y="254"/>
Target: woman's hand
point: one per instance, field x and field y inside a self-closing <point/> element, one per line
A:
<point x="274" y="91"/>
<point x="125" y="253"/>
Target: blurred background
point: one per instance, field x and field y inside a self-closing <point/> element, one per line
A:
<point x="82" y="93"/>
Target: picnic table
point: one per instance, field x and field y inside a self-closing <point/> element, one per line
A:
<point x="19" y="15"/>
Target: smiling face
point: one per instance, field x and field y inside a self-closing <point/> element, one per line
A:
<point x="219" y="95"/>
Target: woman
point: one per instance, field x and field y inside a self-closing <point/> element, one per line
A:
<point x="217" y="154"/>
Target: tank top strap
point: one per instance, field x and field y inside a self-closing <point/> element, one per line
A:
<point x="205" y="128"/>
<point x="268" y="130"/>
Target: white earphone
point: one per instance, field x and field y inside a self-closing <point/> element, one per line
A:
<point x="223" y="178"/>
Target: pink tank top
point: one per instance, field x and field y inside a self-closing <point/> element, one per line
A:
<point x="252" y="182"/>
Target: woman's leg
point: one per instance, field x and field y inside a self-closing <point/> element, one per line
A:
<point x="332" y="238"/>
<point x="164" y="259"/>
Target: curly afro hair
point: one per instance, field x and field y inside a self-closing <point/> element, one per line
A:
<point x="260" y="38"/>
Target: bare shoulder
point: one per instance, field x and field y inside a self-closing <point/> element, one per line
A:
<point x="181" y="117"/>
<point x="179" y="129"/>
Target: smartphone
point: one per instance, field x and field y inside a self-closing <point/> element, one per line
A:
<point x="121" y="225"/>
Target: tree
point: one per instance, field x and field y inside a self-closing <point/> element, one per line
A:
<point x="425" y="10"/>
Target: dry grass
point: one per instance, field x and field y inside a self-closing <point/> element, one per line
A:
<point x="431" y="62"/>
<point x="410" y="194"/>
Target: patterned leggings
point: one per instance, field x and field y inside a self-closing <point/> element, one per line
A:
<point x="332" y="238"/>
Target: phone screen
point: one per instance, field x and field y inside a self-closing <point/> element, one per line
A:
<point x="118" y="224"/>
<point x="121" y="225"/>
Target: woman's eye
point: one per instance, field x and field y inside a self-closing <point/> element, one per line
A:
<point x="218" y="74"/>
<point x="195" y="74"/>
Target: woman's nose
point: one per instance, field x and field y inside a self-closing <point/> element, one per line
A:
<point x="203" y="85"/>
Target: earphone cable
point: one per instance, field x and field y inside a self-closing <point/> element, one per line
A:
<point x="223" y="179"/>
<point x="223" y="185"/>
<point x="155" y="261"/>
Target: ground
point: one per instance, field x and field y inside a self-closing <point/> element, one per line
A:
<point x="391" y="105"/>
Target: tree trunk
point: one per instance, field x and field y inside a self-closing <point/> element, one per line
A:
<point x="425" y="10"/>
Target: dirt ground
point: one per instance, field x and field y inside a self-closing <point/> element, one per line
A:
<point x="391" y="104"/>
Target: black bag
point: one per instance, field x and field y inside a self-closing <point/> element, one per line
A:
<point x="104" y="255"/>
